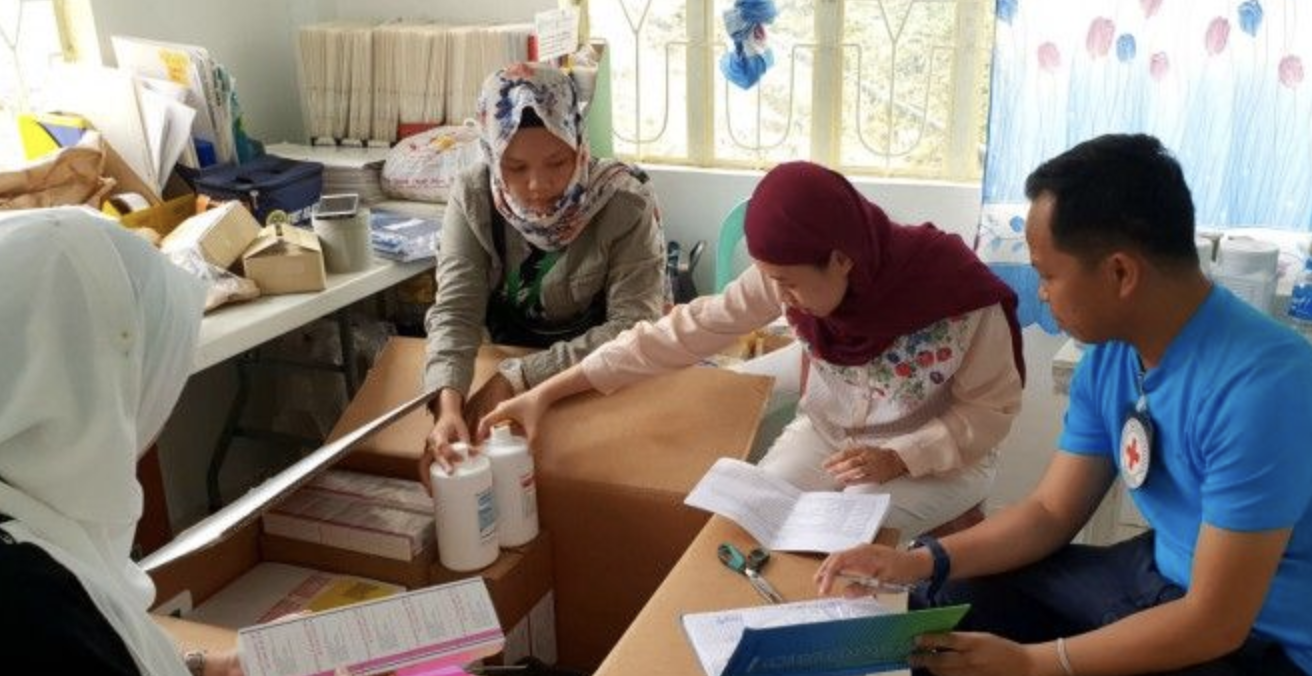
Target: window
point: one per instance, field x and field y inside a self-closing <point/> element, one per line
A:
<point x="31" y="43"/>
<point x="883" y="87"/>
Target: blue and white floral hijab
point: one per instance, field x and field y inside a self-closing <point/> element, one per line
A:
<point x="553" y="95"/>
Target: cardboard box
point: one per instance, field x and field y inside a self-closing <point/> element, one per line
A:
<point x="285" y="259"/>
<point x="271" y="591"/>
<point x="520" y="582"/>
<point x="612" y="473"/>
<point x="221" y="234"/>
<point x="411" y="574"/>
<point x="396" y="376"/>
<point x="347" y="522"/>
<point x="190" y="582"/>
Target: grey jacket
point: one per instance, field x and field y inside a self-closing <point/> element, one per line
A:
<point x="621" y="251"/>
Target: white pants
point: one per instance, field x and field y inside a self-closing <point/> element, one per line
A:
<point x="919" y="504"/>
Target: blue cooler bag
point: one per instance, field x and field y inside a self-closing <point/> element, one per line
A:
<point x="265" y="184"/>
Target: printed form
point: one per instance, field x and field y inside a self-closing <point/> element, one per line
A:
<point x="715" y="635"/>
<point x="783" y="517"/>
<point x="455" y="621"/>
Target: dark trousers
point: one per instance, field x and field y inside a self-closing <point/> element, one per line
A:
<point x="1081" y="588"/>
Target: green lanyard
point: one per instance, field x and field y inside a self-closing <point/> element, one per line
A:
<point x="514" y="291"/>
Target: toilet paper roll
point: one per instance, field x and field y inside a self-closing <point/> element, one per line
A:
<point x="1247" y="256"/>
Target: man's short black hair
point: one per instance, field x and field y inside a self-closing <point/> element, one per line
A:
<point x="1119" y="191"/>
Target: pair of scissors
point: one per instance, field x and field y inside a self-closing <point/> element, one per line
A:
<point x="750" y="566"/>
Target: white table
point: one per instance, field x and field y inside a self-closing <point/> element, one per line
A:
<point x="236" y="329"/>
<point x="233" y="329"/>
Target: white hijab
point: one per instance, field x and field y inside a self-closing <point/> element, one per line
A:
<point x="97" y="334"/>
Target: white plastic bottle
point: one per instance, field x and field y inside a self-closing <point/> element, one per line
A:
<point x="515" y="486"/>
<point x="1300" y="301"/>
<point x="466" y="510"/>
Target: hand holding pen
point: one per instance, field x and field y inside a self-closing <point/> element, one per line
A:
<point x="877" y="568"/>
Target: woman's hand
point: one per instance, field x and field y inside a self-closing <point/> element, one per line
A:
<point x="971" y="654"/>
<point x="496" y="390"/>
<point x="449" y="428"/>
<point x="876" y="561"/>
<point x="527" y="409"/>
<point x="865" y="465"/>
<point x="224" y="663"/>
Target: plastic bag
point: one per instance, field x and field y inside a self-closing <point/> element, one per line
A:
<point x="223" y="287"/>
<point x="425" y="166"/>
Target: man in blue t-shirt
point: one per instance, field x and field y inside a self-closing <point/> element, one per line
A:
<point x="1195" y="400"/>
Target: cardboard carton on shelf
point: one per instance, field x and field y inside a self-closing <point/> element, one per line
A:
<point x="220" y="234"/>
<point x="285" y="259"/>
<point x="612" y="473"/>
<point x="352" y="522"/>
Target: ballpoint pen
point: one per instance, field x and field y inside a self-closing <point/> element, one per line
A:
<point x="876" y="584"/>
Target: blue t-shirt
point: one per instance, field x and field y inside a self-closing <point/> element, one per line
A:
<point x="1231" y="405"/>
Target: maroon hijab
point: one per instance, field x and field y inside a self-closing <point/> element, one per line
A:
<point x="904" y="278"/>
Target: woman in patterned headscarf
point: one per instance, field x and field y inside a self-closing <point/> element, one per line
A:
<point x="544" y="245"/>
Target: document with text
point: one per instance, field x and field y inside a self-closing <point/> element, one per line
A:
<point x="715" y="635"/>
<point x="781" y="516"/>
<point x="453" y="623"/>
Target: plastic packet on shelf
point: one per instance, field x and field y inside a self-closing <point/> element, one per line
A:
<point x="223" y="286"/>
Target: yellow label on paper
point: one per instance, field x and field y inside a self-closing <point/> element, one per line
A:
<point x="346" y="592"/>
<point x="176" y="63"/>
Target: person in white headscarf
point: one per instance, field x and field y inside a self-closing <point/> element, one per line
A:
<point x="543" y="245"/>
<point x="97" y="334"/>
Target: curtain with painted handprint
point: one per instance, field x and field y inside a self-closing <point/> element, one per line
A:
<point x="1221" y="83"/>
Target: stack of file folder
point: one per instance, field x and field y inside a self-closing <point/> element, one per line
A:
<point x="402" y="237"/>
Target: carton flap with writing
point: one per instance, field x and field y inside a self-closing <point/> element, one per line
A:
<point x="293" y="241"/>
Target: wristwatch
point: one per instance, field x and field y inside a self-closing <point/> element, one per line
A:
<point x="942" y="562"/>
<point x="513" y="370"/>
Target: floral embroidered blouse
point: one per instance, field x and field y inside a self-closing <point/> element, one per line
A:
<point x="942" y="397"/>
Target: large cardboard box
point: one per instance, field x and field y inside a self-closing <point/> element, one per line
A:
<point x="396" y="376"/>
<point x="285" y="259"/>
<point x="612" y="474"/>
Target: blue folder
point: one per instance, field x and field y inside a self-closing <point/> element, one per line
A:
<point x="847" y="647"/>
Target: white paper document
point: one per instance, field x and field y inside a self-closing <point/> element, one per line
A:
<point x="783" y="517"/>
<point x="455" y="621"/>
<point x="715" y="635"/>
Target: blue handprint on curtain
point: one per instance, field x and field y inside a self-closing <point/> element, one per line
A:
<point x="1231" y="104"/>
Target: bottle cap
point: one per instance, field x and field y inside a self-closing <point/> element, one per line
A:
<point x="502" y="433"/>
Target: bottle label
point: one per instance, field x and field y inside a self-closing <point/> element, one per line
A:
<point x="487" y="515"/>
<point x="1300" y="302"/>
<point x="529" y="491"/>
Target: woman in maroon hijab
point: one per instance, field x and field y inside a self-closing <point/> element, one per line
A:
<point x="913" y="365"/>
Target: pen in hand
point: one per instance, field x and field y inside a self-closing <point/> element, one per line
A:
<point x="875" y="584"/>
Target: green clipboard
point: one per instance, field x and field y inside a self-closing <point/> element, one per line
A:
<point x="847" y="647"/>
